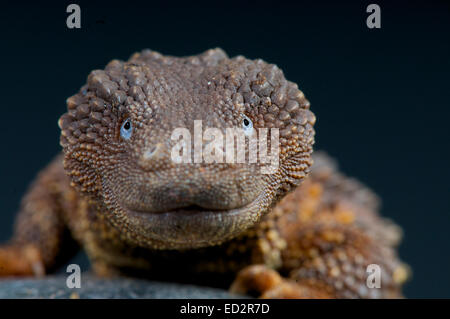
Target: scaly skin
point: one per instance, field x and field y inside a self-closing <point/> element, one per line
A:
<point x="136" y="212"/>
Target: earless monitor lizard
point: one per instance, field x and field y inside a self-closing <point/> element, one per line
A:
<point x="300" y="231"/>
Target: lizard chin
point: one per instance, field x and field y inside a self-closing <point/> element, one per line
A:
<point x="193" y="227"/>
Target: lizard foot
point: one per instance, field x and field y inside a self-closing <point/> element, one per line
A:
<point x="21" y="261"/>
<point x="264" y="282"/>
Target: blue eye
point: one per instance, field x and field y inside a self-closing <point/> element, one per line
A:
<point x="126" y="129"/>
<point x="247" y="125"/>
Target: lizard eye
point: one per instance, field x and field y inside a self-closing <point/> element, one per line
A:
<point x="126" y="129"/>
<point x="247" y="125"/>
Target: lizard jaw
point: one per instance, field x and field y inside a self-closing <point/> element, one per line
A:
<point x="195" y="227"/>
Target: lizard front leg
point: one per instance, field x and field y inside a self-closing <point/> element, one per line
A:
<point x="329" y="232"/>
<point x="326" y="262"/>
<point x="41" y="240"/>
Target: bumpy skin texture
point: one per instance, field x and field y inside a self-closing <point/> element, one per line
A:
<point x="136" y="212"/>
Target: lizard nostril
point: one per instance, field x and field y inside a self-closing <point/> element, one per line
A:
<point x="152" y="152"/>
<point x="149" y="153"/>
<point x="154" y="156"/>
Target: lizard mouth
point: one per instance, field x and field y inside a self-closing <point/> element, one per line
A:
<point x="187" y="210"/>
<point x="194" y="226"/>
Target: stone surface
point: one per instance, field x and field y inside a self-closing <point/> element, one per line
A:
<point x="55" y="287"/>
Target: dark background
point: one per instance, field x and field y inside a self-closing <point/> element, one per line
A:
<point x="381" y="96"/>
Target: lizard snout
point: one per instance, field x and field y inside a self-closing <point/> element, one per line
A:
<point x="153" y="156"/>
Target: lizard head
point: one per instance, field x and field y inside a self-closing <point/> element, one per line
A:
<point x="131" y="141"/>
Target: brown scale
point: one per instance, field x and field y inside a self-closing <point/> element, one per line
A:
<point x="136" y="212"/>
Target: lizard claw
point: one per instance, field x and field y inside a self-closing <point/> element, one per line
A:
<point x="33" y="256"/>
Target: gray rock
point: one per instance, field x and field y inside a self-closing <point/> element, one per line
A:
<point x="54" y="287"/>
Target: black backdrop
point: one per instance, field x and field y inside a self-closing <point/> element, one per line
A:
<point x="381" y="96"/>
